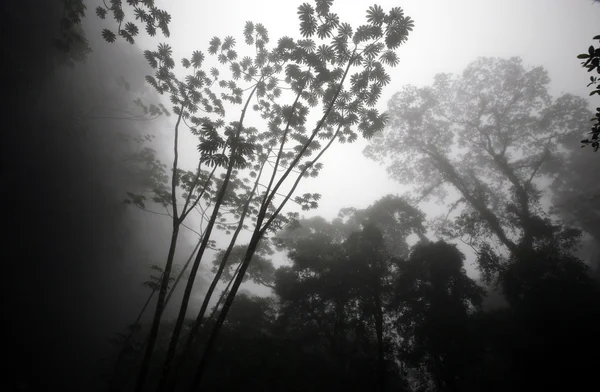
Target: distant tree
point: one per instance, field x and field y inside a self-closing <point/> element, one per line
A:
<point x="261" y="271"/>
<point x="332" y="298"/>
<point x="575" y="193"/>
<point x="495" y="138"/>
<point x="434" y="300"/>
<point x="489" y="135"/>
<point x="72" y="41"/>
<point x="339" y="283"/>
<point x="393" y="215"/>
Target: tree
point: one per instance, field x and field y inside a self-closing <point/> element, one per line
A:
<point x="340" y="283"/>
<point x="394" y="216"/>
<point x="261" y="271"/>
<point x="494" y="137"/>
<point x="574" y="193"/>
<point x="433" y="302"/>
<point x="315" y="76"/>
<point x="342" y="108"/>
<point x="488" y="135"/>
<point x="72" y="41"/>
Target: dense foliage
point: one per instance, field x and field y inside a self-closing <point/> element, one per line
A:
<point x="494" y="142"/>
<point x="350" y="312"/>
<point x="592" y="63"/>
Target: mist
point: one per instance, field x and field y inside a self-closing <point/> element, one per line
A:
<point x="403" y="206"/>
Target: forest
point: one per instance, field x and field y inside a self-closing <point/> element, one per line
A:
<point x="235" y="206"/>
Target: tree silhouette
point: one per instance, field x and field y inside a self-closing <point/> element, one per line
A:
<point x="496" y="117"/>
<point x="494" y="138"/>
<point x="342" y="108"/>
<point x="316" y="74"/>
<point x="592" y="63"/>
<point x="433" y="300"/>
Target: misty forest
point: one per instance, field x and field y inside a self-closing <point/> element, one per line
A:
<point x="307" y="195"/>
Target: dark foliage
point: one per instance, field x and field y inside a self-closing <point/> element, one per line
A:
<point x="592" y="63"/>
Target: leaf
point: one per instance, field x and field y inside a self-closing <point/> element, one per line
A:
<point x="197" y="59"/>
<point x="248" y="31"/>
<point x="583" y="56"/>
<point x="151" y="30"/>
<point x="262" y="31"/>
<point x="324" y="31"/>
<point x="375" y="15"/>
<point x="118" y="14"/>
<point x="101" y="12"/>
<point x="323" y="7"/>
<point x="131" y="28"/>
<point x="214" y="44"/>
<point x="390" y="58"/>
<point x="228" y="43"/>
<point x="308" y="24"/>
<point x="108" y="36"/>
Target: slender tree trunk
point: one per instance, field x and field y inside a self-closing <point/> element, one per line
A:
<point x="223" y="314"/>
<point x="224" y="293"/>
<point x="207" y="232"/>
<point x="180" y="275"/>
<point x="259" y="230"/>
<point x="158" y="313"/>
<point x="252" y="246"/>
<point x="167" y="271"/>
<point x="380" y="352"/>
<point x="256" y="237"/>
<point x="196" y="326"/>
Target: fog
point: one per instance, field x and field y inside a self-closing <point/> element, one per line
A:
<point x="453" y="246"/>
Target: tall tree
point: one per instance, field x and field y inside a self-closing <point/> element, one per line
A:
<point x="339" y="283"/>
<point x="433" y="300"/>
<point x="315" y="76"/>
<point x="308" y="69"/>
<point x="494" y="138"/>
<point x="488" y="135"/>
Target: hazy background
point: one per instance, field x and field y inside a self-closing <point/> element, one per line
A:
<point x="447" y="36"/>
<point x="77" y="255"/>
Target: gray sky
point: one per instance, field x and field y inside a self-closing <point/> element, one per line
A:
<point x="447" y="36"/>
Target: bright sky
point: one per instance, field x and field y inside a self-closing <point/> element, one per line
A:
<point x="447" y="36"/>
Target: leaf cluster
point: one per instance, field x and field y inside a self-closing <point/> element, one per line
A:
<point x="308" y="201"/>
<point x="72" y="40"/>
<point x="592" y="62"/>
<point x="145" y="12"/>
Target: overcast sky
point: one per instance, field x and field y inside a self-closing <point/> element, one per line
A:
<point x="447" y="36"/>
